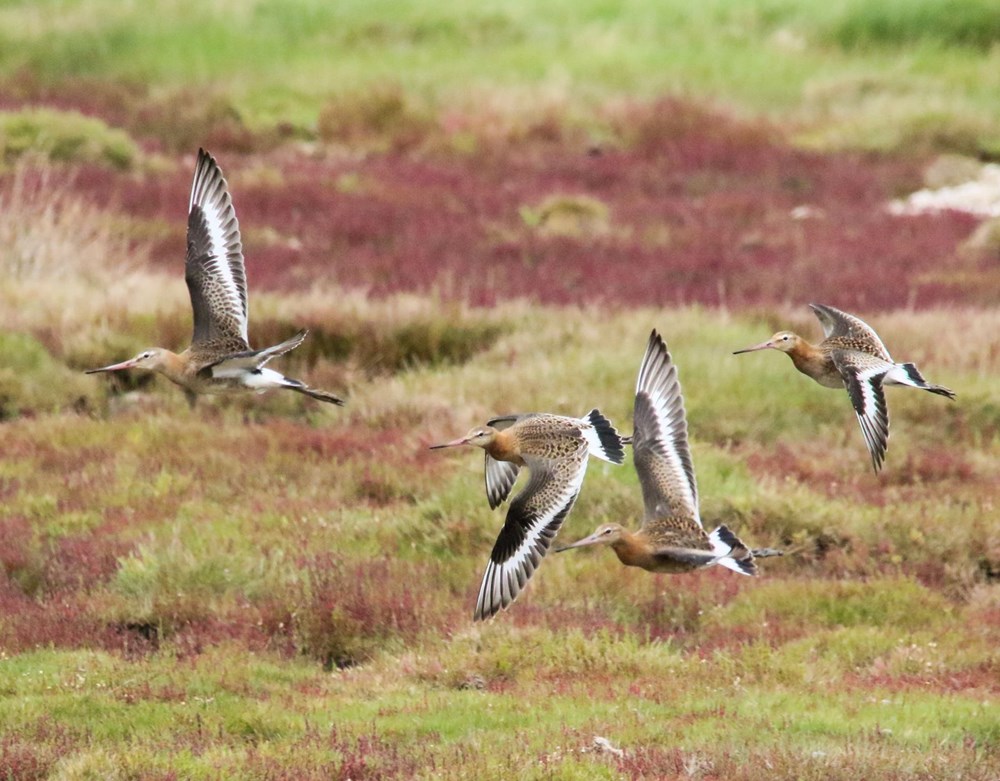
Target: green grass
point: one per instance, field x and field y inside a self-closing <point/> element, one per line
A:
<point x="272" y="63"/>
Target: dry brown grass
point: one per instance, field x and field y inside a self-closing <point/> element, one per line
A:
<point x="66" y="262"/>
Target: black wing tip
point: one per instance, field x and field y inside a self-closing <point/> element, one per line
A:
<point x="918" y="379"/>
<point x="656" y="360"/>
<point x="208" y="181"/>
<point x="748" y="566"/>
<point x="878" y="451"/>
<point x="206" y="163"/>
<point x="496" y="594"/>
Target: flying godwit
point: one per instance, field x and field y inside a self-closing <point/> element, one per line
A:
<point x="852" y="356"/>
<point x="555" y="449"/>
<point x="671" y="538"/>
<point x="219" y="359"/>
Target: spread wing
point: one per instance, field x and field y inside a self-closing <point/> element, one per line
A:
<point x="214" y="271"/>
<point x="863" y="375"/>
<point x="660" y="440"/>
<point x="533" y="519"/>
<point x="500" y="477"/>
<point x="848" y="327"/>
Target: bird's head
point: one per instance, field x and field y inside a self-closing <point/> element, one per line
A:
<point x="480" y="436"/>
<point x="150" y="360"/>
<point x="785" y="341"/>
<point x="606" y="534"/>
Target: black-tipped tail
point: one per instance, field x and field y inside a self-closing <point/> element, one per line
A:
<point x="609" y="445"/>
<point x="918" y="381"/>
<point x="731" y="551"/>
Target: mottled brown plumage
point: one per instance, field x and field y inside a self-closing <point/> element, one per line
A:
<point x="555" y="449"/>
<point x="852" y="356"/>
<point x="671" y="538"/>
<point x="219" y="359"/>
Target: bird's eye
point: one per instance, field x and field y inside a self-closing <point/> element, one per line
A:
<point x="784" y="338"/>
<point x="607" y="531"/>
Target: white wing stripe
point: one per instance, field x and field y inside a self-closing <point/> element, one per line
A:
<point x="209" y="194"/>
<point x="873" y="428"/>
<point x="667" y="436"/>
<point x="503" y="581"/>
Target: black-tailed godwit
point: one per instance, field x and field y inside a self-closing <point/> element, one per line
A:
<point x="853" y="357"/>
<point x="671" y="538"/>
<point x="219" y="359"/>
<point x="555" y="449"/>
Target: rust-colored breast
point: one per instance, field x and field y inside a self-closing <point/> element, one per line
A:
<point x="663" y="548"/>
<point x="816" y="363"/>
<point x="505" y="447"/>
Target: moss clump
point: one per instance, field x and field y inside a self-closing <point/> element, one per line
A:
<point x="577" y="216"/>
<point x="64" y="136"/>
<point x="31" y="380"/>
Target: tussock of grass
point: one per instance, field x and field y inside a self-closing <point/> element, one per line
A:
<point x="566" y="215"/>
<point x="66" y="264"/>
<point x="30" y="379"/>
<point x="383" y="117"/>
<point x="854" y="117"/>
<point x="185" y="119"/>
<point x="63" y="137"/>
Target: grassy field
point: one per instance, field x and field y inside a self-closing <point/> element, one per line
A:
<point x="204" y="595"/>
<point x="478" y="209"/>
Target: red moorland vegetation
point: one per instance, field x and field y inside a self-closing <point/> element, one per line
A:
<point x="683" y="205"/>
